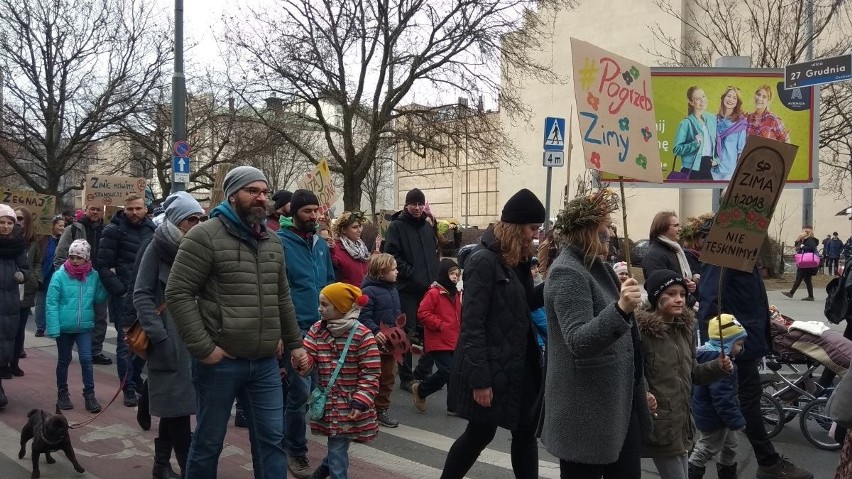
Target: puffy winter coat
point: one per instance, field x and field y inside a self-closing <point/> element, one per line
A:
<point x="716" y="405"/>
<point x="440" y="314"/>
<point x="668" y="350"/>
<point x="383" y="307"/>
<point x="358" y="380"/>
<point x="119" y="245"/>
<point x="834" y="248"/>
<point x="412" y="242"/>
<point x="744" y="296"/>
<point x="659" y="256"/>
<point x="497" y="346"/>
<point x="309" y="270"/>
<point x="348" y="269"/>
<point x="13" y="258"/>
<point x="228" y="288"/>
<point x="70" y="303"/>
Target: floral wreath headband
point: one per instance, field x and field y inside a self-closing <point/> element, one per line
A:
<point x="351" y="217"/>
<point x="692" y="227"/>
<point x="586" y="210"/>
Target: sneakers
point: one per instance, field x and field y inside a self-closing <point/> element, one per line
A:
<point x="385" y="420"/>
<point x="783" y="469"/>
<point x="808" y="298"/>
<point x="92" y="404"/>
<point x="320" y="473"/>
<point x="63" y="401"/>
<point x="300" y="467"/>
<point x="39" y="333"/>
<point x="16" y="371"/>
<point x="452" y="413"/>
<point x="787" y="294"/>
<point x="419" y="402"/>
<point x="101" y="359"/>
<point x="130" y="398"/>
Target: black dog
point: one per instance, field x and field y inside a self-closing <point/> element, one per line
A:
<point x="49" y="434"/>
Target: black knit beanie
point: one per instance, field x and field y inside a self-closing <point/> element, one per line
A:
<point x="415" y="197"/>
<point x="658" y="281"/>
<point x="523" y="208"/>
<point x="281" y="198"/>
<point x="302" y="198"/>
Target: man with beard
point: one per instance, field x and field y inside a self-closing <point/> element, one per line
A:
<point x="411" y="240"/>
<point x="89" y="229"/>
<point x="128" y="230"/>
<point x="309" y="270"/>
<point x="230" y="299"/>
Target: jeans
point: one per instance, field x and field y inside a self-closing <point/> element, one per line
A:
<point x="337" y="460"/>
<point x="672" y="467"/>
<point x="627" y="466"/>
<point x="708" y="444"/>
<point x="99" y="333"/>
<point x="438" y="379"/>
<point x="19" y="336"/>
<point x="748" y="380"/>
<point x="128" y="365"/>
<point x="40" y="312"/>
<point x="257" y="383"/>
<point x="409" y="304"/>
<point x="467" y="448"/>
<point x="64" y="344"/>
<point x="296" y="391"/>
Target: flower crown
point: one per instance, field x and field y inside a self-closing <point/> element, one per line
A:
<point x="350" y="217"/>
<point x="586" y="210"/>
<point x="691" y="228"/>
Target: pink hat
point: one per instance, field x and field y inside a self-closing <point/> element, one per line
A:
<point x="6" y="210"/>
<point x="620" y="267"/>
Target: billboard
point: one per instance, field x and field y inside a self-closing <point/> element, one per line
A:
<point x="725" y="107"/>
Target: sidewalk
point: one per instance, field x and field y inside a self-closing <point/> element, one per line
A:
<point x="113" y="446"/>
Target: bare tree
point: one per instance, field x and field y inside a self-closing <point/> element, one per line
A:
<point x="773" y="33"/>
<point x="346" y="67"/>
<point x="376" y="182"/>
<point x="72" y="70"/>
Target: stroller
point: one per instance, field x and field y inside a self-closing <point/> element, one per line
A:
<point x="789" y="390"/>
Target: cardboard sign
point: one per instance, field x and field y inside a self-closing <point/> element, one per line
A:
<point x="102" y="190"/>
<point x="739" y="227"/>
<point x="319" y="181"/>
<point x="616" y="113"/>
<point x="42" y="207"/>
<point x="384" y="221"/>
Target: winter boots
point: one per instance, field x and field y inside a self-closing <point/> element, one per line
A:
<point x="63" y="400"/>
<point x="162" y="466"/>
<point x="695" y="472"/>
<point x="727" y="472"/>
<point x="92" y="404"/>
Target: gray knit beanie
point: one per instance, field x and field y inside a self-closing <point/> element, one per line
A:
<point x="181" y="205"/>
<point x="241" y="176"/>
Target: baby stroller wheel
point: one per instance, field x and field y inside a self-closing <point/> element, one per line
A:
<point x="773" y="414"/>
<point x="816" y="425"/>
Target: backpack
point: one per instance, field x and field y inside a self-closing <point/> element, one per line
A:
<point x="837" y="306"/>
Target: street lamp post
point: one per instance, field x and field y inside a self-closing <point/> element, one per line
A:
<point x="178" y="90"/>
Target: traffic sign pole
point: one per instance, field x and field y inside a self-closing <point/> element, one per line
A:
<point x="178" y="92"/>
<point x="554" y="156"/>
<point x="546" y="224"/>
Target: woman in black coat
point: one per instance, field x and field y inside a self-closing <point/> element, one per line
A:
<point x="496" y="376"/>
<point x="805" y="243"/>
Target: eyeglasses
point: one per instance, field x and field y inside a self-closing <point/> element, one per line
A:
<point x="194" y="220"/>
<point x="417" y="205"/>
<point x="255" y="192"/>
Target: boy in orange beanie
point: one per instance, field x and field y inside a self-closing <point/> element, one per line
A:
<point x="338" y="337"/>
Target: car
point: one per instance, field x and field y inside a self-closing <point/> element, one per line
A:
<point x="637" y="253"/>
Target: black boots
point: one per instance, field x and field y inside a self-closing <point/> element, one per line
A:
<point x="695" y="472"/>
<point x="727" y="472"/>
<point x="63" y="400"/>
<point x="92" y="404"/>
<point x="162" y="466"/>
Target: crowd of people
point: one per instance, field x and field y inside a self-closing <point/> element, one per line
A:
<point x="249" y="304"/>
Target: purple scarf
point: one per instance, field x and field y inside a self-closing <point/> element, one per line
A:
<point x="737" y="127"/>
<point x="78" y="272"/>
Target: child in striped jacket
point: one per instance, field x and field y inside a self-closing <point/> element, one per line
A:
<point x="350" y="414"/>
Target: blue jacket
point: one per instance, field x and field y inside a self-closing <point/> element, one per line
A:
<point x="539" y="318"/>
<point x="70" y="304"/>
<point x="716" y="406"/>
<point x="383" y="307"/>
<point x="309" y="270"/>
<point x="685" y="145"/>
<point x="744" y="296"/>
<point x="833" y="248"/>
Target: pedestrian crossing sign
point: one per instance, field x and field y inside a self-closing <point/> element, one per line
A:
<point x="554" y="134"/>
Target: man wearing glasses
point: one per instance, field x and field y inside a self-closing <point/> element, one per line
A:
<point x="230" y="299"/>
<point x="89" y="228"/>
<point x="411" y="240"/>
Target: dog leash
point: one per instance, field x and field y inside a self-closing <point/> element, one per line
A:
<point x="78" y="425"/>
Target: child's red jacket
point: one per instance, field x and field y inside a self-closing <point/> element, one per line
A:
<point x="440" y="315"/>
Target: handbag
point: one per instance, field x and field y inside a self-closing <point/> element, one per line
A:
<point x="676" y="174"/>
<point x="135" y="336"/>
<point x="807" y="260"/>
<point x="319" y="396"/>
<point x="840" y="402"/>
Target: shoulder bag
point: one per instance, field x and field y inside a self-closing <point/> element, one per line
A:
<point x="319" y="396"/>
<point x="135" y="336"/>
<point x="676" y="174"/>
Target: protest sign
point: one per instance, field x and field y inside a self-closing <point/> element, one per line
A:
<point x="740" y="225"/>
<point x="385" y="220"/>
<point x="102" y="190"/>
<point x="319" y="181"/>
<point x="616" y="113"/>
<point x="42" y="207"/>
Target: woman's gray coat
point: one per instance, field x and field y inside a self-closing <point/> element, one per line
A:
<point x="170" y="389"/>
<point x="592" y="383"/>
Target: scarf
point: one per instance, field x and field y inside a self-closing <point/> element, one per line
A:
<point x="341" y="326"/>
<point x="726" y="131"/>
<point x="256" y="231"/>
<point x="78" y="272"/>
<point x="13" y="245"/>
<point x="167" y="237"/>
<point x="356" y="249"/>
<point x="681" y="256"/>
